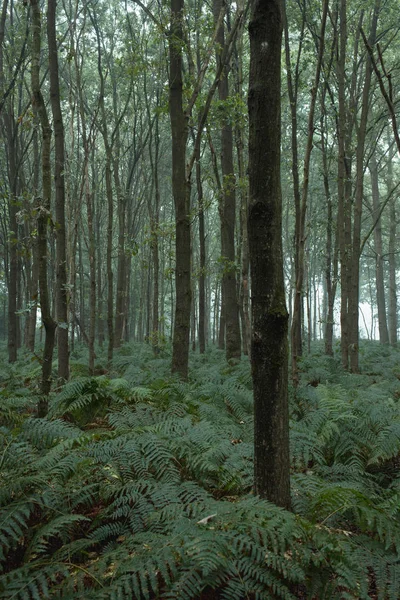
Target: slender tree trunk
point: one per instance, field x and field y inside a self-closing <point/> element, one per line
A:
<point x="301" y="226"/>
<point x="87" y="192"/>
<point x="154" y="215"/>
<point x="110" y="299"/>
<point x="110" y="198"/>
<point x="379" y="263"/>
<point x="73" y="282"/>
<point x="89" y="195"/>
<point x="216" y="313"/>
<point x="33" y="292"/>
<point x="13" y="243"/>
<point x="43" y="211"/>
<point x="61" y="256"/>
<point x="12" y="205"/>
<point x="202" y="244"/>
<point x="392" y="258"/>
<point x="222" y="322"/>
<point x="269" y="348"/>
<point x="293" y="86"/>
<point x="331" y="264"/>
<point x="100" y="303"/>
<point x="228" y="213"/>
<point x="120" y="301"/>
<point x="343" y="174"/>
<point x="148" y="300"/>
<point x="181" y="193"/>
<point x="193" y="319"/>
<point x="244" y="293"/>
<point x="354" y="288"/>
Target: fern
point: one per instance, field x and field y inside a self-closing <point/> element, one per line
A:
<point x="138" y="487"/>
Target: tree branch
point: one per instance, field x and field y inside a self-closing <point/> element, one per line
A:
<point x="388" y="96"/>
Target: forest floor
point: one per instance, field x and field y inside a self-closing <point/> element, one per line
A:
<point x="137" y="485"/>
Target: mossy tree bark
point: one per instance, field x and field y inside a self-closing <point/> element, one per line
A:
<point x="43" y="210"/>
<point x="269" y="346"/>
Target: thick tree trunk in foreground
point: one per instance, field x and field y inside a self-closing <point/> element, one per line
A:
<point x="181" y="193"/>
<point x="61" y="257"/>
<point x="269" y="348"/>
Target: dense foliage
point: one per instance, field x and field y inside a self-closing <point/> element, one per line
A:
<point x="137" y="485"/>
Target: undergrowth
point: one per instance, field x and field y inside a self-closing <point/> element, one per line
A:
<point x="138" y="486"/>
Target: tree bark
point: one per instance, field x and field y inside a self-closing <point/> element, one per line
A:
<point x="12" y="243"/>
<point x="392" y="257"/>
<point x="354" y="287"/>
<point x="379" y="262"/>
<point x="121" y="292"/>
<point x="202" y="269"/>
<point x="244" y="292"/>
<point x="227" y="210"/>
<point x="181" y="194"/>
<point x="301" y="225"/>
<point x="331" y="260"/>
<point x="269" y="348"/>
<point x="61" y="255"/>
<point x="344" y="184"/>
<point x="43" y="211"/>
<point x="293" y="86"/>
<point x="9" y="124"/>
<point x="99" y="283"/>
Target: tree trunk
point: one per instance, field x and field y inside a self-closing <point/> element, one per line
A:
<point x="392" y="258"/>
<point x="61" y="256"/>
<point x="33" y="291"/>
<point x="331" y="260"/>
<point x="379" y="263"/>
<point x="43" y="211"/>
<point x="181" y="193"/>
<point x="202" y="244"/>
<point x="343" y="179"/>
<point x="8" y="120"/>
<point x="269" y="349"/>
<point x="293" y="86"/>
<point x="154" y="216"/>
<point x="13" y="243"/>
<point x="244" y="294"/>
<point x="221" y="324"/>
<point x="99" y="263"/>
<point x="120" y="301"/>
<point x="228" y="212"/>
<point x="354" y="287"/>
<point x="89" y="195"/>
<point x="301" y="225"/>
<point x="110" y="275"/>
<point x="109" y="195"/>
